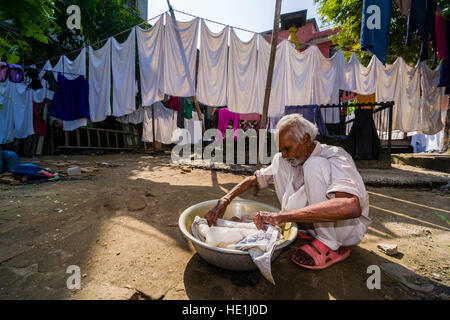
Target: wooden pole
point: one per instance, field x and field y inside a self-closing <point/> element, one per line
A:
<point x="273" y="50"/>
<point x="186" y="67"/>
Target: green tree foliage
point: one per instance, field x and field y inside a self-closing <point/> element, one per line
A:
<point x="22" y="21"/>
<point x="347" y="14"/>
<point x="99" y="20"/>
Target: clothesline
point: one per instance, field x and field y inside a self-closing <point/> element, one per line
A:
<point x="100" y="41"/>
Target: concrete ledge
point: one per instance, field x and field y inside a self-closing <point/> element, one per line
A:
<point x="433" y="161"/>
<point x="396" y="176"/>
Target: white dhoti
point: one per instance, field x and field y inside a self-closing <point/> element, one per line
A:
<point x="317" y="183"/>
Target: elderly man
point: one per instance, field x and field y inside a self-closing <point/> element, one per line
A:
<point x="318" y="187"/>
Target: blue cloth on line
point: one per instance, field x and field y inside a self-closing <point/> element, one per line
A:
<point x="376" y="22"/>
<point x="71" y="101"/>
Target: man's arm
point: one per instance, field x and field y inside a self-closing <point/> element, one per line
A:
<point x="344" y="206"/>
<point x="219" y="210"/>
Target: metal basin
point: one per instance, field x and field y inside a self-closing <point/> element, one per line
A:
<point x="228" y="258"/>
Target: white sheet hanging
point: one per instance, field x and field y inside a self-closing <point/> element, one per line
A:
<point x="6" y="114"/>
<point x="123" y="72"/>
<point x="16" y="115"/>
<point x="278" y="89"/>
<point x="430" y="110"/>
<point x="136" y="117"/>
<point x="100" y="82"/>
<point x="212" y="68"/>
<point x="360" y="79"/>
<point x="327" y="82"/>
<point x="72" y="70"/>
<point x="300" y="77"/>
<point x="165" y="124"/>
<point x="400" y="83"/>
<point x="150" y="51"/>
<point x="242" y="72"/>
<point x="179" y="62"/>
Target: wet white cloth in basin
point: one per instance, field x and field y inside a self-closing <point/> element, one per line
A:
<point x="260" y="244"/>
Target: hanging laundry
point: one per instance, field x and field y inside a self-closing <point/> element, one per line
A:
<point x="16" y="114"/>
<point x="174" y="103"/>
<point x="71" y="70"/>
<point x="180" y="113"/>
<point x="165" y="124"/>
<point x="71" y="101"/>
<point x="194" y="127"/>
<point x="123" y="72"/>
<point x="363" y="140"/>
<point x="39" y="126"/>
<point x="299" y="77"/>
<point x="242" y="66"/>
<point x="33" y="75"/>
<point x="430" y="111"/>
<point x="400" y="83"/>
<point x="327" y="79"/>
<point x="277" y="99"/>
<point x="188" y="106"/>
<point x="375" y="26"/>
<point x="6" y="113"/>
<point x="441" y="35"/>
<point x="358" y="78"/>
<point x="136" y="117"/>
<point x="421" y="21"/>
<point x="3" y="71"/>
<point x="180" y="58"/>
<point x="444" y="78"/>
<point x="150" y="51"/>
<point x="15" y="73"/>
<point x="311" y="113"/>
<point x="403" y="7"/>
<point x="213" y="61"/>
<point x="100" y="82"/>
<point x="249" y="121"/>
<point x="225" y="116"/>
<point x="48" y="81"/>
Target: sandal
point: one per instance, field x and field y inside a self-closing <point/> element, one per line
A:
<point x="322" y="255"/>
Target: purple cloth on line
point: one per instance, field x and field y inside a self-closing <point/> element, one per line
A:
<point x="71" y="101"/>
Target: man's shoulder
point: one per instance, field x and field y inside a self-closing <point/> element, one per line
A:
<point x="330" y="152"/>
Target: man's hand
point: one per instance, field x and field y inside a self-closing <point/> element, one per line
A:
<point x="216" y="212"/>
<point x="263" y="217"/>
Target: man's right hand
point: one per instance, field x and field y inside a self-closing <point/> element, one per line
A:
<point x="216" y="212"/>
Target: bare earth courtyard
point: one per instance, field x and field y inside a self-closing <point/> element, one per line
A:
<point x="118" y="223"/>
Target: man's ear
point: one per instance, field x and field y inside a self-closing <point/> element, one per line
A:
<point x="306" y="138"/>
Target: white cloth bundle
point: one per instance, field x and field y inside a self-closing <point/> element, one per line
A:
<point x="213" y="63"/>
<point x="123" y="72"/>
<point x="150" y="51"/>
<point x="260" y="244"/>
<point x="100" y="82"/>
<point x="242" y="66"/>
<point x="165" y="124"/>
<point x="179" y="61"/>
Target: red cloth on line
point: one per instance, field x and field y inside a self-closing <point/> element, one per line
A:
<point x="174" y="103"/>
<point x="39" y="126"/>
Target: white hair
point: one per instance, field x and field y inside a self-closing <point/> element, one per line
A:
<point x="298" y="126"/>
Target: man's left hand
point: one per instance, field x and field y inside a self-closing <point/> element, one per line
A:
<point x="263" y="217"/>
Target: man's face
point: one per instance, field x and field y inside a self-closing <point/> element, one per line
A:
<point x="291" y="150"/>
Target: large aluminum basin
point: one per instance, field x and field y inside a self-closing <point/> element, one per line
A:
<point x="228" y="258"/>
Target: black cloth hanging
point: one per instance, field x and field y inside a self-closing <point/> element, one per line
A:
<point x="363" y="140"/>
<point x="35" y="83"/>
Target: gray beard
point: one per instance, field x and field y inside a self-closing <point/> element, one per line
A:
<point x="294" y="162"/>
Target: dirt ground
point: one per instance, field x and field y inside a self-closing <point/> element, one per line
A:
<point x="119" y="225"/>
